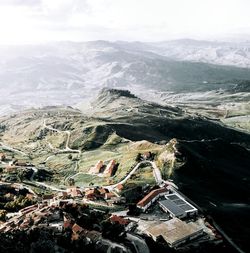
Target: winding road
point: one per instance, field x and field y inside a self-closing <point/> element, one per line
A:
<point x="4" y="146"/>
<point x="67" y="149"/>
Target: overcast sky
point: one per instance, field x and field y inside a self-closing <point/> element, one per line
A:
<point x="32" y="21"/>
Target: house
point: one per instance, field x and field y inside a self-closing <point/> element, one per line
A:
<point x="102" y="191"/>
<point x="74" y="192"/>
<point x="90" y="194"/>
<point x="119" y="220"/>
<point x="62" y="194"/>
<point x="77" y="229"/>
<point x="150" y="198"/>
<point x="147" y="155"/>
<point x="10" y="169"/>
<point x="109" y="195"/>
<point x="2" y="156"/>
<point x="119" y="187"/>
<point x="67" y="222"/>
<point x="111" y="168"/>
<point x="30" y="196"/>
<point x="97" y="168"/>
<point x="22" y="163"/>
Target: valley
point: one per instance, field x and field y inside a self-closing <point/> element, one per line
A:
<point x="120" y="148"/>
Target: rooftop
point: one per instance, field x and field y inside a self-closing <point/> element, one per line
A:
<point x="150" y="196"/>
<point x="178" y="201"/>
<point x="174" y="231"/>
<point x="172" y="207"/>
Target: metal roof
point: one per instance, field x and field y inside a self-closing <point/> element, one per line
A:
<point x="172" y="207"/>
<point x="180" y="202"/>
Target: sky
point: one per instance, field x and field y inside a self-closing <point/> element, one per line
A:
<point x="38" y="21"/>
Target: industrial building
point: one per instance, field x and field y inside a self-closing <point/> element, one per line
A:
<point x="177" y="206"/>
<point x="174" y="231"/>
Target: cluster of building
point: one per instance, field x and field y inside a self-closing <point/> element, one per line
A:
<point x="108" y="170"/>
<point x="174" y="231"/>
<point x="11" y="165"/>
<point x="182" y="225"/>
<point x="171" y="202"/>
<point x="100" y="195"/>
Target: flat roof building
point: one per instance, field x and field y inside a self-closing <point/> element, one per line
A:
<point x="177" y="206"/>
<point x="175" y="231"/>
<point x="169" y="207"/>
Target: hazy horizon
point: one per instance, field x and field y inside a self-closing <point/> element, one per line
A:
<point x="39" y="21"/>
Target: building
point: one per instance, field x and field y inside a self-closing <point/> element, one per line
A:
<point x="175" y="231"/>
<point x="102" y="191"/>
<point x="147" y="155"/>
<point x="97" y="168"/>
<point x="74" y="192"/>
<point x="77" y="229"/>
<point x="10" y="169"/>
<point x="90" y="194"/>
<point x="177" y="206"/>
<point x="67" y="222"/>
<point x="110" y="169"/>
<point x="119" y="220"/>
<point x="22" y="163"/>
<point x="109" y="195"/>
<point x="62" y="194"/>
<point x="119" y="187"/>
<point x="150" y="198"/>
<point x="2" y="156"/>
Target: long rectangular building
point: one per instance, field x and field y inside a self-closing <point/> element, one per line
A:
<point x="177" y="206"/>
<point x="151" y="197"/>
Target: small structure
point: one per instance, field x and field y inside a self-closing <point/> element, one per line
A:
<point x="109" y="195"/>
<point x="67" y="222"/>
<point x="119" y="187"/>
<point x="147" y="155"/>
<point x="150" y="198"/>
<point x="74" y="192"/>
<point x="22" y="163"/>
<point x="77" y="229"/>
<point x="90" y="194"/>
<point x="119" y="220"/>
<point x="2" y="156"/>
<point x="110" y="169"/>
<point x="10" y="169"/>
<point x="102" y="191"/>
<point x="97" y="168"/>
<point x="62" y="194"/>
<point x="175" y="231"/>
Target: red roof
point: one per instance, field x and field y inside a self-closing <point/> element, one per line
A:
<point x="119" y="187"/>
<point x="120" y="220"/>
<point x="150" y="196"/>
<point x="77" y="229"/>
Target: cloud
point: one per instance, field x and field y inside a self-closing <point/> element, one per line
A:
<point x="42" y="20"/>
<point x="21" y="2"/>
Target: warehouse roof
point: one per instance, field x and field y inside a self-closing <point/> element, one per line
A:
<point x="179" y="201"/>
<point x="172" y="207"/>
<point x="174" y="231"/>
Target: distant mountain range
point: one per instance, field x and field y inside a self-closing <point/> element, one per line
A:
<point x="68" y="72"/>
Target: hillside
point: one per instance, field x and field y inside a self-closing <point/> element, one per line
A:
<point x="80" y="69"/>
<point x="216" y="175"/>
<point x="209" y="161"/>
